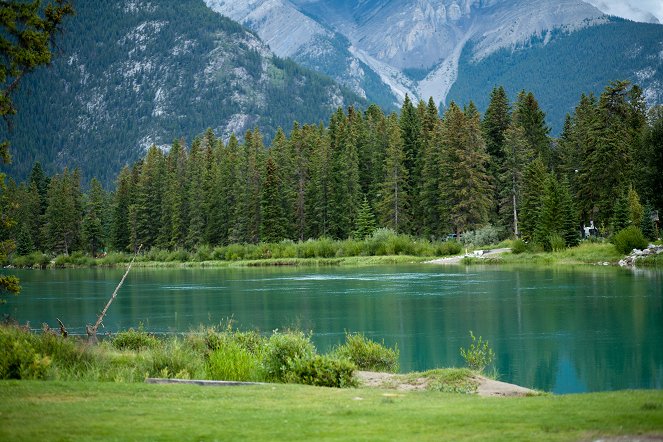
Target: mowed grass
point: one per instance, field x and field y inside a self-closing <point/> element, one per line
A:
<point x="37" y="410"/>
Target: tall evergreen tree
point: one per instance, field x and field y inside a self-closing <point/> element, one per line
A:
<point x="365" y="224"/>
<point x="93" y="219"/>
<point x="534" y="179"/>
<point x="64" y="213"/>
<point x="532" y="119"/>
<point x="274" y="222"/>
<point x="393" y="198"/>
<point x="466" y="186"/>
<point x="122" y="199"/>
<point x="147" y="208"/>
<point x="516" y="154"/>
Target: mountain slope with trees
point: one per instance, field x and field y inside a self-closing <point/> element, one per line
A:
<point x="130" y="74"/>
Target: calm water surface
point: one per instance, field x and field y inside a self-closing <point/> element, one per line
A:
<point x="560" y="330"/>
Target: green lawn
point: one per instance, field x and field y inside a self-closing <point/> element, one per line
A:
<point x="37" y="410"/>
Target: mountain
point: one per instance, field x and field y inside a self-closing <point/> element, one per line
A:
<point x="424" y="47"/>
<point x="132" y="73"/>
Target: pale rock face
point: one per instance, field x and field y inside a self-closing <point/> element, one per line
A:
<point x="392" y="36"/>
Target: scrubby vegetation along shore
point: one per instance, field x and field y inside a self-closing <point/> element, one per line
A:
<point x="208" y="353"/>
<point x="383" y="246"/>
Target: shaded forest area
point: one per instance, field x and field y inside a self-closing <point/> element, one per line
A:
<point x="412" y="172"/>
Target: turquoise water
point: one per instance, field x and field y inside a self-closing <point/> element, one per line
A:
<point x="560" y="330"/>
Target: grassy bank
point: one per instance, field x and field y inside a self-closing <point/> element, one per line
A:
<point x="383" y="247"/>
<point x="585" y="253"/>
<point x="33" y="410"/>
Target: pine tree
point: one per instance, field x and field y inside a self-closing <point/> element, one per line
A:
<point x="620" y="214"/>
<point x="532" y="119"/>
<point x="273" y="217"/>
<point x="122" y="200"/>
<point x="317" y="200"/>
<point x="64" y="213"/>
<point x="647" y="225"/>
<point x="411" y="135"/>
<point x="466" y="186"/>
<point x="516" y="154"/>
<point x="344" y="186"/>
<point x="496" y="121"/>
<point x="431" y="177"/>
<point x="173" y="209"/>
<point x="93" y="220"/>
<point x="247" y="217"/>
<point x="534" y="179"/>
<point x="365" y="224"/>
<point x="393" y="199"/>
<point x="147" y="208"/>
<point x="635" y="209"/>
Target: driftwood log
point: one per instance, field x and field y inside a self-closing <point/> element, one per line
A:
<point x="92" y="329"/>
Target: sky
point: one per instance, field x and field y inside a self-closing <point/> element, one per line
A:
<point x="637" y="10"/>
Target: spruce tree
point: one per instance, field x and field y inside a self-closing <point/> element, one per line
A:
<point x="466" y="186"/>
<point x="93" y="220"/>
<point x="149" y="195"/>
<point x="274" y="222"/>
<point x="122" y="199"/>
<point x="64" y="213"/>
<point x="393" y="202"/>
<point x="532" y="119"/>
<point x="365" y="224"/>
<point x="516" y="155"/>
<point x="534" y="179"/>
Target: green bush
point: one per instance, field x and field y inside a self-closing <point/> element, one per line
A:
<point x="19" y="359"/>
<point x="519" y="246"/>
<point x="233" y="362"/>
<point x="282" y="350"/>
<point x="628" y="239"/>
<point x="479" y="355"/>
<point x="482" y="237"/>
<point x="322" y="371"/>
<point x="367" y="354"/>
<point x="556" y="242"/>
<point x="448" y="248"/>
<point x="134" y="340"/>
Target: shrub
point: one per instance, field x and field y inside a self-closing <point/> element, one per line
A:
<point x="20" y="360"/>
<point x="232" y="362"/>
<point x="322" y="371"/>
<point x="282" y="350"/>
<point x="519" y="246"/>
<point x="628" y="239"/>
<point x="367" y="354"/>
<point x="448" y="248"/>
<point x="484" y="236"/>
<point x="134" y="340"/>
<point x="479" y="354"/>
<point x="556" y="242"/>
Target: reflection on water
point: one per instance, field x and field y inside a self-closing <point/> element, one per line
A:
<point x="559" y="330"/>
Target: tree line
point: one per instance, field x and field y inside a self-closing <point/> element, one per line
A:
<point x="413" y="171"/>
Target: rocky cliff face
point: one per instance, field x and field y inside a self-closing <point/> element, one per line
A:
<point x="413" y="46"/>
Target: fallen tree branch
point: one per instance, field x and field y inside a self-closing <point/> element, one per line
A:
<point x="92" y="329"/>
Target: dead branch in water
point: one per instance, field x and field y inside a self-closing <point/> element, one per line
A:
<point x="92" y="329"/>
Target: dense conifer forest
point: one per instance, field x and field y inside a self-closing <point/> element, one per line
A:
<point x="413" y="172"/>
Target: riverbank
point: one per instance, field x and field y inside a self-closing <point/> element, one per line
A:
<point x="587" y="253"/>
<point x="33" y="410"/>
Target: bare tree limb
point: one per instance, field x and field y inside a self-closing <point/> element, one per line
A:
<point x="92" y="330"/>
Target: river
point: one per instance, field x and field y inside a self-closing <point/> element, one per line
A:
<point x="557" y="329"/>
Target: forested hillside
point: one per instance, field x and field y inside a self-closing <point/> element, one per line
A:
<point x="412" y="172"/>
<point x="129" y="74"/>
<point x="561" y="63"/>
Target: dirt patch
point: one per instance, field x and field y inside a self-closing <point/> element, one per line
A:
<point x="481" y="254"/>
<point x="484" y="386"/>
